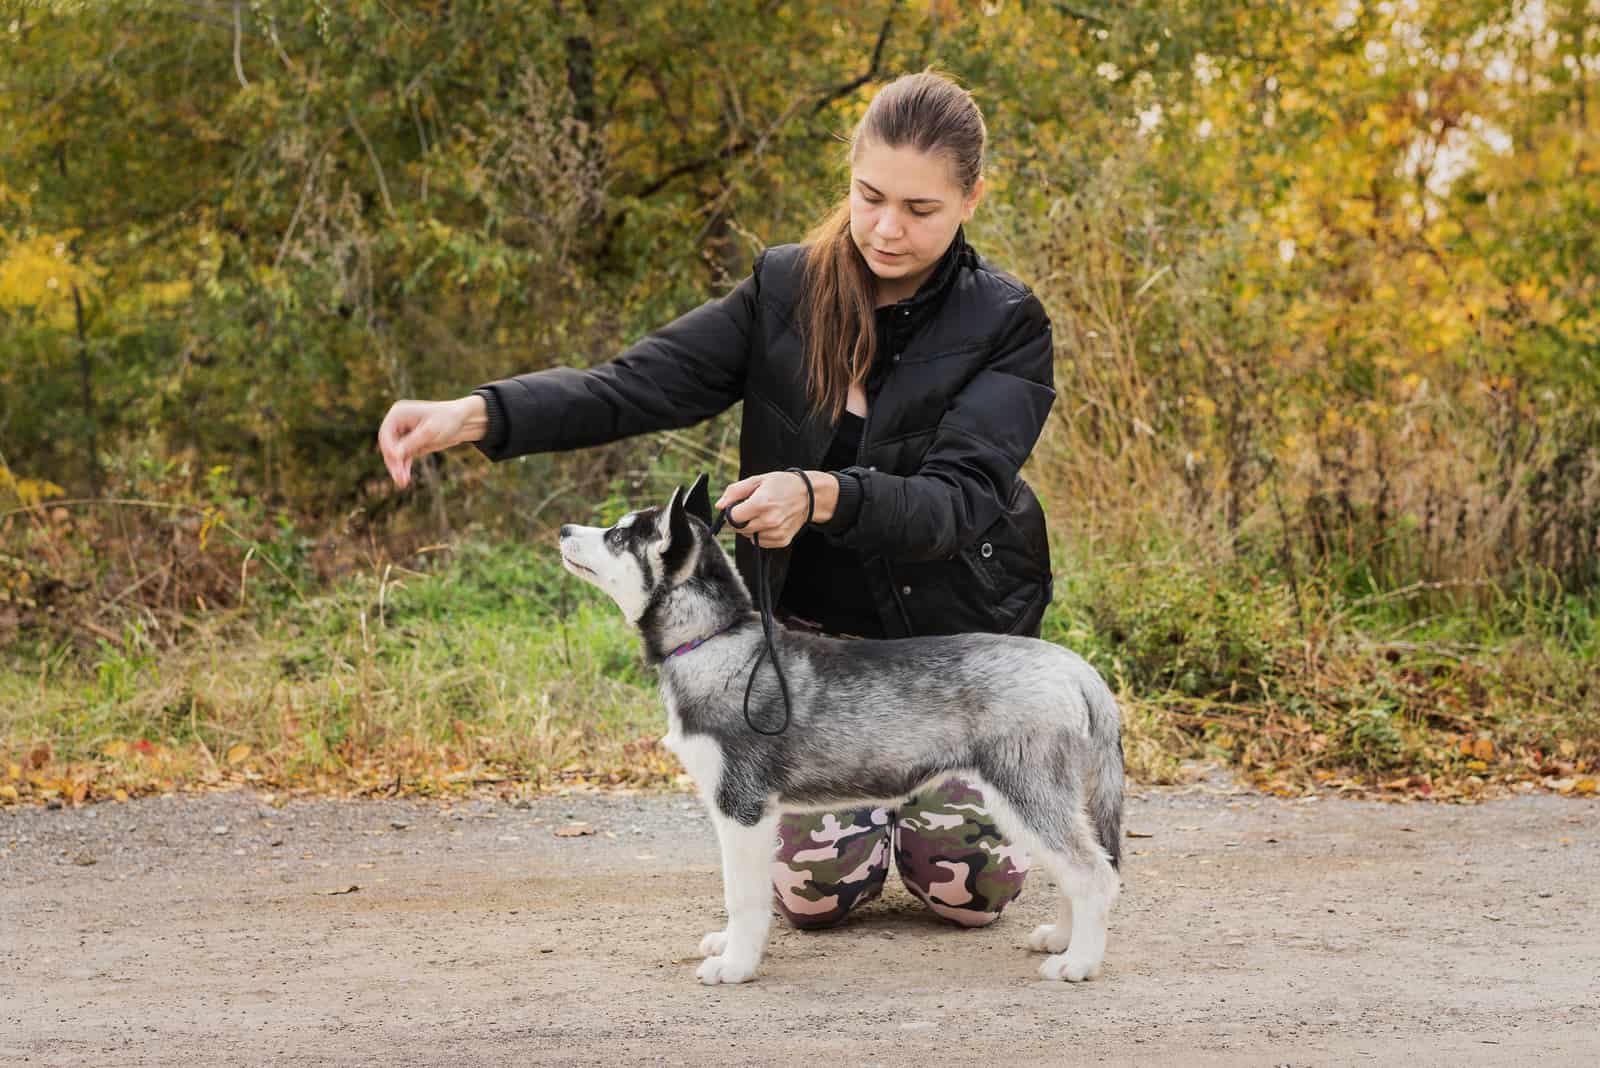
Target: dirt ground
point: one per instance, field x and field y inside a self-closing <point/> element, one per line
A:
<point x="203" y="930"/>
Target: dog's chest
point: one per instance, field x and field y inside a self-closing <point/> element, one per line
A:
<point x="699" y="754"/>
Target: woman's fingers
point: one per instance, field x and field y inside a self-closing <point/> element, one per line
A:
<point x="736" y="498"/>
<point x="396" y="425"/>
<point x="409" y="430"/>
<point x="768" y="511"/>
<point x="738" y="491"/>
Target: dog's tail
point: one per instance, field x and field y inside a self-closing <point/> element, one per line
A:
<point x="1105" y="770"/>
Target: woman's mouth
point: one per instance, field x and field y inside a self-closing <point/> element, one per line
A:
<point x="888" y="255"/>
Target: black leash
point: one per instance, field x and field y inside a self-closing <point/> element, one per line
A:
<point x="764" y="602"/>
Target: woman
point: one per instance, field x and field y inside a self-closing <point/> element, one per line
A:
<point x="910" y="379"/>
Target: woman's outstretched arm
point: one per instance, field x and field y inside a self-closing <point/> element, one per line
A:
<point x="679" y="375"/>
<point x="685" y="372"/>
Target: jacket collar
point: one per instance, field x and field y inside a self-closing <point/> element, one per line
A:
<point x="905" y="316"/>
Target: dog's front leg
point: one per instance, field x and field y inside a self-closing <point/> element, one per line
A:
<point x="747" y="891"/>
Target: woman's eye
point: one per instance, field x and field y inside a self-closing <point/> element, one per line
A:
<point x="919" y="213"/>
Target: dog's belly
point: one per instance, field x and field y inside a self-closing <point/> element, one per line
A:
<point x="832" y="788"/>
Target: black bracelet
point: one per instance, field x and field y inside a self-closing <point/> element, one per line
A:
<point x="811" y="497"/>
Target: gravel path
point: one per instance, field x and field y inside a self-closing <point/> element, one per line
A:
<point x="202" y="930"/>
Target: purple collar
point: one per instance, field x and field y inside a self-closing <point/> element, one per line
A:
<point x="698" y="642"/>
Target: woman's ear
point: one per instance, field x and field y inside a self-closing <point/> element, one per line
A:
<point x="972" y="200"/>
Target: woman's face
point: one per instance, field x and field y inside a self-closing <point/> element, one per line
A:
<point x="905" y="206"/>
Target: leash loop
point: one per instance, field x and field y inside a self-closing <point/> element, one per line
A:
<point x="764" y="602"/>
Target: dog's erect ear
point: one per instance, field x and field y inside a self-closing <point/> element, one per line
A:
<point x="677" y="540"/>
<point x="698" y="503"/>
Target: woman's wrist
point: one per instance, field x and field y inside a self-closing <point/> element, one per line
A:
<point x="826" y="489"/>
<point x="475" y="420"/>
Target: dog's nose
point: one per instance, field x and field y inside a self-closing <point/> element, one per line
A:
<point x="566" y="529"/>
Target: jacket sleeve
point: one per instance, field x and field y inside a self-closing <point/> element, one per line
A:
<point x="685" y="372"/>
<point x="968" y="472"/>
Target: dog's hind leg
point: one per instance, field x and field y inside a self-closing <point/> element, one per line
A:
<point x="734" y="954"/>
<point x="1048" y="821"/>
<point x="1088" y="890"/>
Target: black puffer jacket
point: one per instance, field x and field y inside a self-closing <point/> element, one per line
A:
<point x="951" y="539"/>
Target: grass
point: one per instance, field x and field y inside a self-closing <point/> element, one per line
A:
<point x="483" y="664"/>
<point x="1432" y="690"/>
<point x="489" y="665"/>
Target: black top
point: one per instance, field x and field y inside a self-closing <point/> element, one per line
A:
<point x="826" y="584"/>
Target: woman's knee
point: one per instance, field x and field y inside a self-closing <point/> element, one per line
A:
<point x="953" y="858"/>
<point x="828" y="864"/>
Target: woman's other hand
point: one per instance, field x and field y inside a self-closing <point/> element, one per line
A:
<point x="773" y="506"/>
<point x="413" y="429"/>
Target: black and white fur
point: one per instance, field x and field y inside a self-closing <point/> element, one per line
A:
<point x="873" y="721"/>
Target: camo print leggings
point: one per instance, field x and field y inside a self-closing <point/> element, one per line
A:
<point x="949" y="853"/>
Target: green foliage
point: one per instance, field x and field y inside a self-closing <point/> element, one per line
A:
<point x="1167" y="623"/>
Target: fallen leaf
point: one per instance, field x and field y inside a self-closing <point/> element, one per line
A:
<point x="1483" y="749"/>
<point x="238" y="752"/>
<point x="9" y="793"/>
<point x="1139" y="834"/>
<point x="114" y="749"/>
<point x="352" y="888"/>
<point x="83" y="860"/>
<point x="573" y="830"/>
<point x="1584" y="786"/>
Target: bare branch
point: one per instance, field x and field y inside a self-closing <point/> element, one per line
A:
<point x="383" y="186"/>
<point x="305" y="191"/>
<point x="238" y="34"/>
<point x="872" y="68"/>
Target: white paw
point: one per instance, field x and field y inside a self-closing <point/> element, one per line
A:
<point x="725" y="969"/>
<point x="713" y="944"/>
<point x="1062" y="966"/>
<point x="1049" y="938"/>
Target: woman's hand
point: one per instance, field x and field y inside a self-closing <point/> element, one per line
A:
<point x="413" y="429"/>
<point x="773" y="506"/>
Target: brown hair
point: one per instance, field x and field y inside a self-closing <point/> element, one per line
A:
<point x="925" y="111"/>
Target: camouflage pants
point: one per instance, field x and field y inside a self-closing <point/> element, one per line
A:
<point x="949" y="853"/>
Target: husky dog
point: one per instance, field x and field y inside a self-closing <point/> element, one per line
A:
<point x="872" y="721"/>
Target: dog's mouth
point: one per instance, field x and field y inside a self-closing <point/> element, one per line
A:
<point x="570" y="562"/>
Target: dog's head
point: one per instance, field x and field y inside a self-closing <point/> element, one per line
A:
<point x="650" y="554"/>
